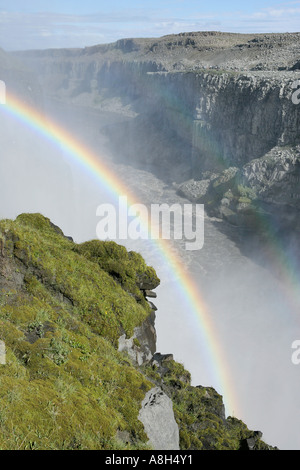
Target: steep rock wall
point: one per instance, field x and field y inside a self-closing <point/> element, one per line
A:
<point x="189" y="126"/>
<point x="206" y="119"/>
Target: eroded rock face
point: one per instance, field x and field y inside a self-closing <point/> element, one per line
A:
<point x="194" y="190"/>
<point x="276" y="176"/>
<point x="142" y="345"/>
<point x="157" y="416"/>
<point x="188" y="107"/>
<point x="264" y="188"/>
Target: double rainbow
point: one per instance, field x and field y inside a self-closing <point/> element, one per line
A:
<point x="93" y="164"/>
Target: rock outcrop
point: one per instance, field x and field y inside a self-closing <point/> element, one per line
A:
<point x="157" y="416"/>
<point x="199" y="411"/>
<point x="142" y="345"/>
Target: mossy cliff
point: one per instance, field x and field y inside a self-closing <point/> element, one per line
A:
<point x="65" y="384"/>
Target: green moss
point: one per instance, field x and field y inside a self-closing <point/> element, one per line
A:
<point x="128" y="268"/>
<point x="199" y="412"/>
<point x="246" y="193"/>
<point x="176" y="374"/>
<point x="58" y="399"/>
<point x="88" y="279"/>
<point x="65" y="385"/>
<point x="244" y="200"/>
<point x="136" y="342"/>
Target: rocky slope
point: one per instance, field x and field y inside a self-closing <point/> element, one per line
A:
<point x="67" y="381"/>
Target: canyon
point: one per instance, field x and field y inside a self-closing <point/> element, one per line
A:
<point x="204" y="118"/>
<point x="214" y="113"/>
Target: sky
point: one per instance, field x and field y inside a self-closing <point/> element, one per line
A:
<point x="40" y="24"/>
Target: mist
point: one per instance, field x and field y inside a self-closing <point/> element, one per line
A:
<point x="251" y="300"/>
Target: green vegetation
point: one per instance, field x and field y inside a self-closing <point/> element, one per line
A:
<point x="75" y="274"/>
<point x="246" y="193"/>
<point x="228" y="198"/>
<point x="127" y="268"/>
<point x="200" y="413"/>
<point x="65" y="385"/>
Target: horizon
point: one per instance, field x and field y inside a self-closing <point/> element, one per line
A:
<point x="151" y="38"/>
<point x="55" y="25"/>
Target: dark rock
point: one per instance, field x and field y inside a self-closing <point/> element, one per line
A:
<point x="296" y="66"/>
<point x="251" y="442"/>
<point x="153" y="307"/>
<point x="142" y="345"/>
<point x="159" y="358"/>
<point x="150" y="293"/>
<point x="193" y="190"/>
<point x="37" y="331"/>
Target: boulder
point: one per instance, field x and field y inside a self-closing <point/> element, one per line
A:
<point x="158" y="419"/>
<point x="194" y="191"/>
<point x="250" y="443"/>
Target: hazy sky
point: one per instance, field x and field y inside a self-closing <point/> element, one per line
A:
<point x="76" y="23"/>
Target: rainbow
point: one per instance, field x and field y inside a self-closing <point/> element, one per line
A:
<point x="189" y="291"/>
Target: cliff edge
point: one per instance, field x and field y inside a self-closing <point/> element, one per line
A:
<point x="81" y="369"/>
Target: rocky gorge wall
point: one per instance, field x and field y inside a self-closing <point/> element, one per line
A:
<point x="228" y="118"/>
<point x="182" y="122"/>
<point x="232" y="137"/>
<point x="218" y="118"/>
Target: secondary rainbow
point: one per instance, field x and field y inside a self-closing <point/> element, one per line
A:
<point x="93" y="163"/>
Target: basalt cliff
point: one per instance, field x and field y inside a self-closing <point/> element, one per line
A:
<point x="216" y="114"/>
